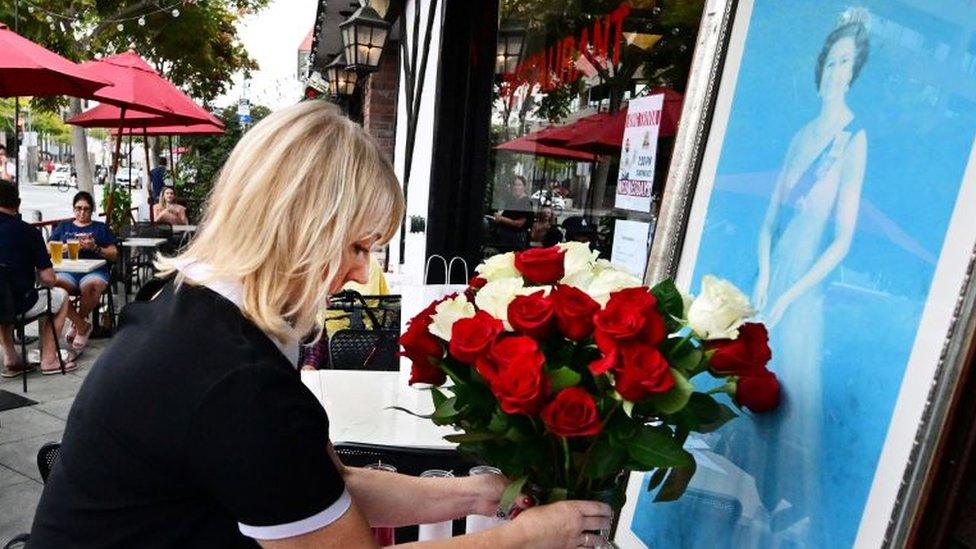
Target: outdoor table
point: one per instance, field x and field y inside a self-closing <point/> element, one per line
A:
<point x="357" y="403"/>
<point x="141" y="242"/>
<point x="79" y="266"/>
<point x="184" y="228"/>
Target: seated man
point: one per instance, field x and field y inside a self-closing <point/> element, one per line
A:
<point x="23" y="252"/>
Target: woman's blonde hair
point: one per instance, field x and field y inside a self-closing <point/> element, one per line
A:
<point x="299" y="188"/>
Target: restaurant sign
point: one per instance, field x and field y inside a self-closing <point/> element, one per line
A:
<point x="638" y="152"/>
<point x="559" y="63"/>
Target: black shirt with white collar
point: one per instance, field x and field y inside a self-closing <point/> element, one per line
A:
<point x="191" y="430"/>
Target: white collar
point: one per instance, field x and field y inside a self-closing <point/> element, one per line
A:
<point x="233" y="291"/>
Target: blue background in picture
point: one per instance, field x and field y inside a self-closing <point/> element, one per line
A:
<point x="916" y="100"/>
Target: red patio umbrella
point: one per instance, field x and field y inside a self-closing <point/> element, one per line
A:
<point x="559" y="135"/>
<point x="110" y="116"/>
<point x="527" y="145"/>
<point x="30" y="69"/>
<point x="159" y="131"/>
<point x="606" y="136"/>
<point x="135" y="85"/>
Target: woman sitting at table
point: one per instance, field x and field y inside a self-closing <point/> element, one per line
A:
<point x="96" y="242"/>
<point x="205" y="434"/>
<point x="167" y="210"/>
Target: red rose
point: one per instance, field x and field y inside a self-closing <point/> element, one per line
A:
<point x="531" y="314"/>
<point x="574" y="311"/>
<point x="630" y="314"/>
<point x="572" y="414"/>
<point x="513" y="368"/>
<point x="470" y="337"/>
<point x="746" y="355"/>
<point x="424" y="351"/>
<point x="605" y="363"/>
<point x="759" y="393"/>
<point x="541" y="265"/>
<point x="477" y="282"/>
<point x="643" y="371"/>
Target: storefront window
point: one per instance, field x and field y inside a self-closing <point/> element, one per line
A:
<point x="580" y="150"/>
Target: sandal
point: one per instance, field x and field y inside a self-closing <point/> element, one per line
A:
<point x="34" y="356"/>
<point x="68" y="367"/>
<point x="15" y="370"/>
<point x="82" y="338"/>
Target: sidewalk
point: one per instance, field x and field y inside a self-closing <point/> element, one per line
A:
<point x="24" y="430"/>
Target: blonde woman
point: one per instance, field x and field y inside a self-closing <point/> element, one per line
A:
<point x="167" y="210"/>
<point x="193" y="429"/>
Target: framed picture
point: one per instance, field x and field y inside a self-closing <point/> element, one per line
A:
<point x="825" y="165"/>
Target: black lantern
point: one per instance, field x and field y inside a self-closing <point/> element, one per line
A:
<point x="508" y="52"/>
<point x="341" y="79"/>
<point x="363" y="37"/>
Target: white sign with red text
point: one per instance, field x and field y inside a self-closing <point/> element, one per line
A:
<point x="638" y="153"/>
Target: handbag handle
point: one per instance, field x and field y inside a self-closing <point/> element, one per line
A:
<point x="450" y="269"/>
<point x="427" y="268"/>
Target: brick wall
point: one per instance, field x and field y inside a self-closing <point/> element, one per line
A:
<point x="380" y="99"/>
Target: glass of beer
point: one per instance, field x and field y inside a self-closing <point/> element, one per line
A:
<point x="57" y="251"/>
<point x="74" y="246"/>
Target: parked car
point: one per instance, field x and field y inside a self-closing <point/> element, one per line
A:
<point x="546" y="198"/>
<point x="122" y="178"/>
<point x="62" y="177"/>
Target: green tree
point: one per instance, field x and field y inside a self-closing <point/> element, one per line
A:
<point x="199" y="170"/>
<point x="196" y="47"/>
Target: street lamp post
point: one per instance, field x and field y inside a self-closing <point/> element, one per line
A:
<point x="363" y="38"/>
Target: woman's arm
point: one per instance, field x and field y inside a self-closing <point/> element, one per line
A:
<point x="110" y="252"/>
<point x="390" y="499"/>
<point x="181" y="215"/>
<point x="848" y="203"/>
<point x="508" y="222"/>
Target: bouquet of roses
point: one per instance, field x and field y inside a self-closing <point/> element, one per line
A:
<point x="567" y="373"/>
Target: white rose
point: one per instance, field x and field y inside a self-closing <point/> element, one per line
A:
<point x="579" y="258"/>
<point x="498" y="266"/>
<point x="495" y="296"/>
<point x="686" y="301"/>
<point x="447" y="313"/>
<point x="719" y="310"/>
<point x="608" y="281"/>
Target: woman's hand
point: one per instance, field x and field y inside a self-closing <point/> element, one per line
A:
<point x="489" y="490"/>
<point x="564" y="524"/>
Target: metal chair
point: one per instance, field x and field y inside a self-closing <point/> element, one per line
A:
<point x="10" y="316"/>
<point x="357" y="349"/>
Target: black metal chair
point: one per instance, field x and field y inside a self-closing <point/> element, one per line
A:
<point x="409" y="461"/>
<point x="46" y="457"/>
<point x="10" y="316"/>
<point x="357" y="349"/>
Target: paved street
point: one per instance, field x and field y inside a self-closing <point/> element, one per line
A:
<point x="24" y="430"/>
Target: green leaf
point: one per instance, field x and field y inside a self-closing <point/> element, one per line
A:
<point x="605" y="460"/>
<point x="447" y="410"/>
<point x="563" y="377"/>
<point x="437" y="396"/>
<point x="515" y="435"/>
<point x="558" y="494"/>
<point x="656" y="447"/>
<point x="499" y="421"/>
<point x="725" y="415"/>
<point x="688" y="360"/>
<point x="674" y="400"/>
<point x="470" y="437"/>
<point x="669" y="299"/>
<point x="511" y="492"/>
<point x="657" y="478"/>
<point x="677" y="483"/>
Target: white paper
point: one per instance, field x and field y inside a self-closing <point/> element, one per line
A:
<point x="630" y="241"/>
